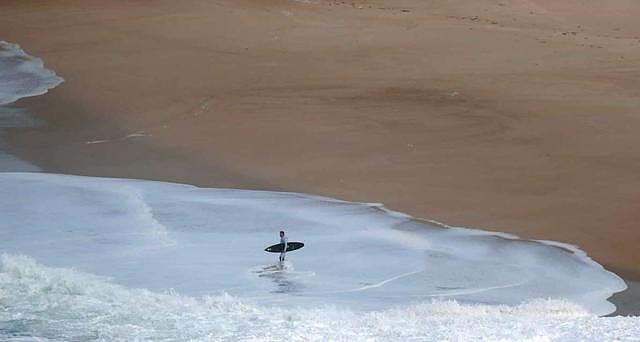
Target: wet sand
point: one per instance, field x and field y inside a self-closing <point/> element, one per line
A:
<point x="518" y="116"/>
<point x="626" y="302"/>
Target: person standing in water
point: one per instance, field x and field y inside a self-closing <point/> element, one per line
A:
<point x="283" y="239"/>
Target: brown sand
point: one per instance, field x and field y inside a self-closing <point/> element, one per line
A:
<point x="517" y="116"/>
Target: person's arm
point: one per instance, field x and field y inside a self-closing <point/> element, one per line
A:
<point x="286" y="240"/>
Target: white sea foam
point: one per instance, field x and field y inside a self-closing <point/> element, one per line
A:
<point x="22" y="75"/>
<point x="115" y="259"/>
<point x="121" y="138"/>
<point x="53" y="304"/>
<point x="359" y="256"/>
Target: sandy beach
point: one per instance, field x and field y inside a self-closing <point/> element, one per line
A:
<point x="514" y="116"/>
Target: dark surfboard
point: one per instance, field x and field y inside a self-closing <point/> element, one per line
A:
<point x="277" y="248"/>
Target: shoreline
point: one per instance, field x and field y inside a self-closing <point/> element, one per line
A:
<point x="162" y="167"/>
<point x="316" y="99"/>
<point x="626" y="301"/>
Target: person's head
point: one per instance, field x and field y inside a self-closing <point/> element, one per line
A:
<point x="281" y="233"/>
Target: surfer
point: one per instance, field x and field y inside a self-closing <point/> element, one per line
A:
<point x="283" y="239"/>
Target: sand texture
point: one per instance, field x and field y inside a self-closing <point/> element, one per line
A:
<point x="517" y="116"/>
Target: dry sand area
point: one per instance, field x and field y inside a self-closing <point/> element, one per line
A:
<point x="517" y="116"/>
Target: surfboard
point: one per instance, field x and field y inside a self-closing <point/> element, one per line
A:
<point x="277" y="248"/>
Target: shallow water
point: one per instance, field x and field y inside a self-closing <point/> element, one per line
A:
<point x="95" y="258"/>
<point x="64" y="305"/>
<point x="10" y="117"/>
<point x="22" y="75"/>
<point x="198" y="241"/>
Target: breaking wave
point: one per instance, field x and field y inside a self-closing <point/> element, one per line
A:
<point x="360" y="256"/>
<point x="22" y="75"/>
<point x="62" y="304"/>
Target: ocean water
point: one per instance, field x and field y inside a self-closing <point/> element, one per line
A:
<point x="22" y="75"/>
<point x="51" y="304"/>
<point x="86" y="259"/>
<point x="96" y="258"/>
